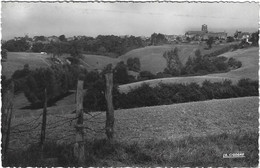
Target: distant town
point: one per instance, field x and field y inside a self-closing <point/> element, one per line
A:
<point x="192" y="37"/>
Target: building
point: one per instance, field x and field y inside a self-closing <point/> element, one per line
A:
<point x="239" y="35"/>
<point x="204" y="34"/>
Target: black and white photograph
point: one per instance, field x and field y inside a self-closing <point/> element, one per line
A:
<point x="129" y="84"/>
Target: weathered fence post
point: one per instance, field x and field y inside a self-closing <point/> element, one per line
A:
<point x="7" y="109"/>
<point x="110" y="108"/>
<point x="79" y="146"/>
<point x="44" y="118"/>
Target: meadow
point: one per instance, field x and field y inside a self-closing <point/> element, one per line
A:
<point x="211" y="127"/>
<point x="248" y="57"/>
<point x="17" y="60"/>
<point x="151" y="58"/>
<point x="186" y="134"/>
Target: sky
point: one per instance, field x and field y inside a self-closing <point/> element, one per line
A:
<point x="138" y="19"/>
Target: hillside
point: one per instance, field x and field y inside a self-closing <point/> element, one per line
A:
<point x="248" y="57"/>
<point x="17" y="60"/>
<point x="151" y="57"/>
<point x="98" y="61"/>
<point x="168" y="122"/>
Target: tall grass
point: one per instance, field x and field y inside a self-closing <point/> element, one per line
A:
<point x="190" y="151"/>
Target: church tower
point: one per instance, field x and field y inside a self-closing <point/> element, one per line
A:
<point x="204" y="28"/>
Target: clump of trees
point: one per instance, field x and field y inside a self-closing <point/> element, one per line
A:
<point x="103" y="45"/>
<point x="178" y="93"/>
<point x="210" y="42"/>
<point x="57" y="80"/>
<point x="254" y="38"/>
<point x="16" y="45"/>
<point x="173" y="63"/>
<point x="134" y="64"/>
<point x="158" y="39"/>
<point x="198" y="65"/>
<point x="4" y="54"/>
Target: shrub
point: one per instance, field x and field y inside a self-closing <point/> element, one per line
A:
<point x="146" y="75"/>
<point x="233" y="63"/>
<point x="179" y="93"/>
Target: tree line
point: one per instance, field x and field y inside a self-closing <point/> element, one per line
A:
<point x="60" y="79"/>
<point x="109" y="45"/>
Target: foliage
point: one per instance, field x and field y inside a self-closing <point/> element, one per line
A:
<point x="134" y="64"/>
<point x="18" y="45"/>
<point x="173" y="62"/>
<point x="158" y="39"/>
<point x="4" y="54"/>
<point x="120" y="73"/>
<point x="179" y="93"/>
<point x="58" y="80"/>
<point x="38" y="47"/>
<point x="105" y="45"/>
<point x="230" y="39"/>
<point x="62" y="38"/>
<point x="210" y="42"/>
<point x="145" y="75"/>
<point x="233" y="63"/>
<point x="254" y="38"/>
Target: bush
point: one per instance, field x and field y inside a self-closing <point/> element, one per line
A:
<point x="179" y="93"/>
<point x="146" y="75"/>
<point x="233" y="63"/>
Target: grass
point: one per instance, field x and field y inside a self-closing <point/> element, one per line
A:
<point x="189" y="151"/>
<point x="98" y="62"/>
<point x="16" y="61"/>
<point x="151" y="57"/>
<point x="168" y="122"/>
<point x="248" y="57"/>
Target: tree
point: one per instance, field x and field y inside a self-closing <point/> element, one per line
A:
<point x="210" y="42"/>
<point x="173" y="62"/>
<point x="254" y="38"/>
<point x="39" y="38"/>
<point x="37" y="82"/>
<point x="37" y="47"/>
<point x="230" y="39"/>
<point x="18" y="45"/>
<point x="158" y="39"/>
<point x="62" y="38"/>
<point x="133" y="64"/>
<point x="146" y="75"/>
<point x="76" y="49"/>
<point x="4" y="54"/>
<point x="120" y="73"/>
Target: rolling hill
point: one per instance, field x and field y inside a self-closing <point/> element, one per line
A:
<point x="248" y="57"/>
<point x="151" y="57"/>
<point x="167" y="122"/>
<point x="98" y="61"/>
<point x="17" y="60"/>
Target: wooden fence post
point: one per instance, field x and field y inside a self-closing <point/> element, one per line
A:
<point x="44" y="118"/>
<point x="110" y="108"/>
<point x="79" y="146"/>
<point x="7" y="110"/>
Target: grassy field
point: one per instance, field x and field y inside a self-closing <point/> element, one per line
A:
<point x="248" y="57"/>
<point x="164" y="133"/>
<point x="168" y="122"/>
<point x="98" y="61"/>
<point x="16" y="61"/>
<point x="151" y="57"/>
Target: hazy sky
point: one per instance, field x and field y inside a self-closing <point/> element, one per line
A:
<point x="92" y="19"/>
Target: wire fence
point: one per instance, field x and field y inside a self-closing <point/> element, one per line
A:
<point x="60" y="127"/>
